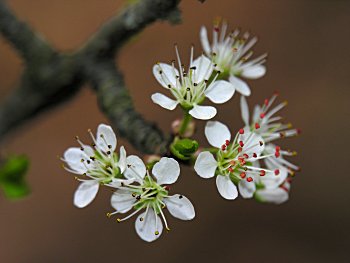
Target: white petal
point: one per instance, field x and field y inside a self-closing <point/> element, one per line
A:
<point x="220" y="91"/>
<point x="217" y="133"/>
<point x="85" y="193"/>
<point x="73" y="157"/>
<point x="204" y="40"/>
<point x="254" y="72"/>
<point x="226" y="187"/>
<point x="135" y="168"/>
<point x="122" y="200"/>
<point x="276" y="196"/>
<point x="164" y="101"/>
<point x="167" y="170"/>
<point x="180" y="207"/>
<point x="117" y="182"/>
<point x="246" y="189"/>
<point x="244" y="111"/>
<point x="205" y="165"/>
<point x="203" y="112"/>
<point x="146" y="228"/>
<point x="204" y="68"/>
<point x="105" y="138"/>
<point x="168" y="75"/>
<point x="122" y="159"/>
<point x="256" y="113"/>
<point x="240" y="85"/>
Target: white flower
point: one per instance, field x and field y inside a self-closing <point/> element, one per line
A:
<point x="190" y="88"/>
<point x="231" y="55"/>
<point x="235" y="162"/>
<point x="99" y="163"/>
<point x="264" y="123"/>
<point x="152" y="194"/>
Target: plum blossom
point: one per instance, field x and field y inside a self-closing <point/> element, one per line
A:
<point x="268" y="126"/>
<point x="151" y="193"/>
<point x="98" y="163"/>
<point x="191" y="88"/>
<point x="231" y="54"/>
<point x="235" y="161"/>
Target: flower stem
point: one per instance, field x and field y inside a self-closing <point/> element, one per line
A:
<point x="184" y="123"/>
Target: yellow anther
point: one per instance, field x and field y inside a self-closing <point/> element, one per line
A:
<point x="168" y="229"/>
<point x="285" y="102"/>
<point x="118" y="220"/>
<point x="156" y="233"/>
<point x="108" y="215"/>
<point x="294" y="153"/>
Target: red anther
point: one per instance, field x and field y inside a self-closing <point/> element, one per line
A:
<point x="227" y="142"/>
<point x="246" y="156"/>
<point x="255" y="155"/>
<point x="167" y="187"/>
<point x="223" y="147"/>
<point x="298" y="131"/>
<point x="249" y="179"/>
<point x="242" y="162"/>
<point x="261" y="143"/>
<point x="262" y="115"/>
<point x="262" y="173"/>
<point x="266" y="102"/>
<point x="239" y="149"/>
<point x="257" y="126"/>
<point x="241" y="143"/>
<point x="233" y="163"/>
<point x="277" y="154"/>
<point x="242" y="175"/>
<point x="241" y="131"/>
<point x="278" y="148"/>
<point x="216" y="29"/>
<point x="277" y="172"/>
<point x="230" y="170"/>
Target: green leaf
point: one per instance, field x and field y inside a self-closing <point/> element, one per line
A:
<point x="184" y="148"/>
<point x="12" y="173"/>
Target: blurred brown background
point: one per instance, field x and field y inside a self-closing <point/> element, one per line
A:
<point x="309" y="61"/>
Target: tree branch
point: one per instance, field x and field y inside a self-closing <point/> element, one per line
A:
<point x="51" y="78"/>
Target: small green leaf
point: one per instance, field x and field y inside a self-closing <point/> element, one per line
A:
<point x="184" y="148"/>
<point x="12" y="173"/>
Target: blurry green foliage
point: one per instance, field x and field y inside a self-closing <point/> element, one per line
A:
<point x="12" y="176"/>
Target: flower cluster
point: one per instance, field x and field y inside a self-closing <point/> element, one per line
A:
<point x="248" y="162"/>
<point x="135" y="188"/>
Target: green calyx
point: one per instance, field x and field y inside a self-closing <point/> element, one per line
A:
<point x="184" y="148"/>
<point x="12" y="176"/>
<point x="151" y="194"/>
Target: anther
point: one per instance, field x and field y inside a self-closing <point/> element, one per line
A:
<point x="223" y="147"/>
<point x="277" y="154"/>
<point x="278" y="148"/>
<point x="255" y="155"/>
<point x="160" y="72"/>
<point x="227" y="142"/>
<point x="249" y="179"/>
<point x="262" y="173"/>
<point x="230" y="169"/>
<point x="82" y="148"/>
<point x="239" y="149"/>
<point x="246" y="156"/>
<point x="266" y="102"/>
<point x="195" y="84"/>
<point x="262" y="115"/>
<point x="118" y="220"/>
<point x="167" y="187"/>
<point x="188" y="89"/>
<point x="108" y="152"/>
<point x="156" y="233"/>
<point x="109" y="146"/>
<point x="180" y="196"/>
<point x="241" y="143"/>
<point x="261" y="143"/>
<point x="242" y="175"/>
<point x="108" y="215"/>
<point x="233" y="163"/>
<point x="277" y="172"/>
<point x="257" y="126"/>
<point x="241" y="131"/>
<point x="141" y="219"/>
